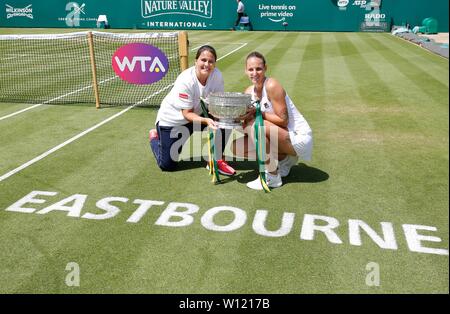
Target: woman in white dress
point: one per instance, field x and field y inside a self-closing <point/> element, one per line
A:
<point x="288" y="134"/>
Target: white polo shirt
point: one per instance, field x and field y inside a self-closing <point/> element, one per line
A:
<point x="185" y="94"/>
<point x="241" y="7"/>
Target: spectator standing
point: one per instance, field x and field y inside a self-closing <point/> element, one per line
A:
<point x="240" y="12"/>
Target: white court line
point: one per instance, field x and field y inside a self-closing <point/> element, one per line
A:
<point x="195" y="48"/>
<point x="227" y="43"/>
<point x="241" y="46"/>
<point x="20" y="111"/>
<point x="54" y="149"/>
<point x="13" y="57"/>
<point x="59" y="97"/>
<point x="56" y="98"/>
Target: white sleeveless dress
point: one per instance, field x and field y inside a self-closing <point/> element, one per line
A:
<point x="300" y="132"/>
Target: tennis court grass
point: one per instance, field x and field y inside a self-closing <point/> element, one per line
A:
<point x="378" y="107"/>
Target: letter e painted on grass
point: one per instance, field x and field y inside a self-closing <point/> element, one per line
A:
<point x="73" y="277"/>
<point x="73" y="210"/>
<point x="171" y="211"/>
<point x="30" y="198"/>
<point x="415" y="240"/>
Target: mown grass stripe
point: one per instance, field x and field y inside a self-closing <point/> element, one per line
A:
<point x="410" y="103"/>
<point x="239" y="58"/>
<point x="309" y="78"/>
<point x="434" y="88"/>
<point x="387" y="168"/>
<point x="437" y="66"/>
<point x="289" y="67"/>
<point x="391" y="188"/>
<point x="414" y="50"/>
<point x="236" y="64"/>
<point x="345" y="161"/>
<point x="284" y="63"/>
<point x="309" y="95"/>
<point x="366" y="83"/>
<point x="276" y="54"/>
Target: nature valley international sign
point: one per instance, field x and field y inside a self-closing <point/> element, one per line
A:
<point x="201" y="8"/>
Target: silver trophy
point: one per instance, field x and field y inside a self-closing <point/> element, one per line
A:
<point x="227" y="107"/>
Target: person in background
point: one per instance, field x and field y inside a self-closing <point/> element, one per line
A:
<point x="181" y="110"/>
<point x="240" y="12"/>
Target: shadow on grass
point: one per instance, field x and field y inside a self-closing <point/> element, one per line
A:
<point x="298" y="173"/>
<point x="307" y="174"/>
<point x="237" y="165"/>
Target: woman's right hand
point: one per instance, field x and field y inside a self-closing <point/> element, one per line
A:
<point x="249" y="115"/>
<point x="247" y="123"/>
<point x="211" y="123"/>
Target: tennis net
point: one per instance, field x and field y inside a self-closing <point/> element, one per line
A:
<point x="59" y="68"/>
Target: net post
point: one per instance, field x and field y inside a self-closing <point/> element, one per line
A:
<point x="94" y="69"/>
<point x="183" y="49"/>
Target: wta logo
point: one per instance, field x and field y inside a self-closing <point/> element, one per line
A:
<point x="139" y="63"/>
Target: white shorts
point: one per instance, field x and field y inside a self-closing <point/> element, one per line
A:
<point x="302" y="144"/>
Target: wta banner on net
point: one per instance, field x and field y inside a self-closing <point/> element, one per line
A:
<point x="288" y="15"/>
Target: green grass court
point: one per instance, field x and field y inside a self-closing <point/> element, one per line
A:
<point x="378" y="107"/>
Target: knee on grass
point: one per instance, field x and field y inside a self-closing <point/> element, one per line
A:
<point x="168" y="166"/>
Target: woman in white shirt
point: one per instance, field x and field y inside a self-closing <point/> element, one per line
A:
<point x="181" y="109"/>
<point x="288" y="134"/>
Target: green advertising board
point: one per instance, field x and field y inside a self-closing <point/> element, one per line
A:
<point x="290" y="15"/>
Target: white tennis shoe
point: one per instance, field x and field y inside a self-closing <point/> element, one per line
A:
<point x="273" y="181"/>
<point x="285" y="165"/>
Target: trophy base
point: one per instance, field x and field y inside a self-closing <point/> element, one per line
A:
<point x="222" y="124"/>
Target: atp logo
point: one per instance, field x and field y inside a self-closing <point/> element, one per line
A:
<point x="139" y="63"/>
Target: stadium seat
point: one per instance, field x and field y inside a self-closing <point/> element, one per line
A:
<point x="429" y="26"/>
<point x="102" y="21"/>
<point x="244" y="24"/>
